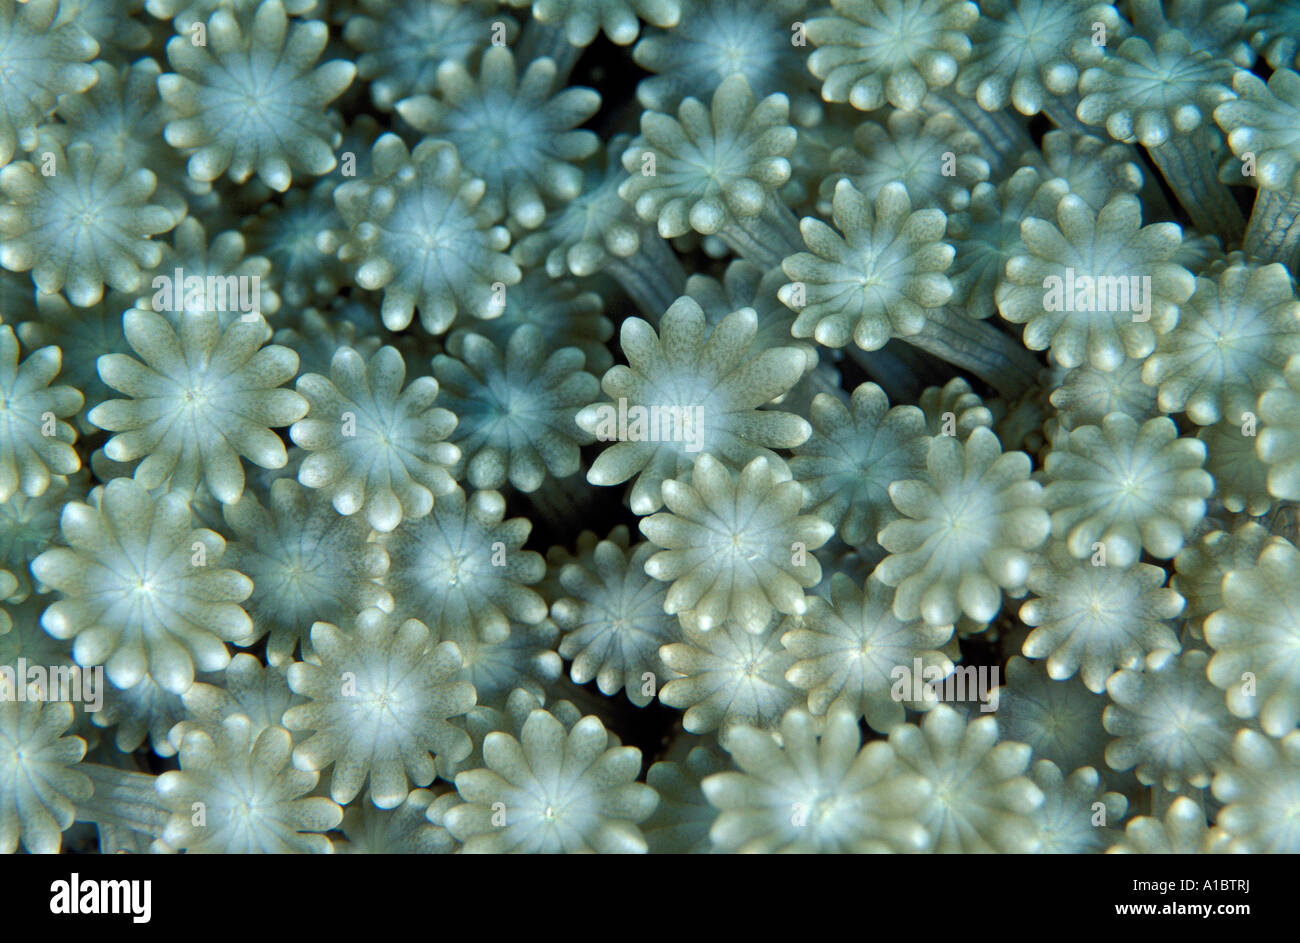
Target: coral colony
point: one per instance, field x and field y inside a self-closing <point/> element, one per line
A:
<point x="649" y="426"/>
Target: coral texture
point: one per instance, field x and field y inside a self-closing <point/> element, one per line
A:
<point x="649" y="426"/>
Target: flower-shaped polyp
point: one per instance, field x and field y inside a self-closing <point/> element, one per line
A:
<point x="716" y="39"/>
<point x="34" y="442"/>
<point x="201" y="396"/>
<point x="597" y="226"/>
<point x="252" y="100"/>
<point x="1096" y="286"/>
<point x="1240" y="478"/>
<point x="1260" y="792"/>
<point x="1232" y="342"/>
<point x="915" y="150"/>
<point x="870" y="52"/>
<point x="1092" y="167"/>
<point x="379" y="697"/>
<point x="251" y="688"/>
<point x="979" y="799"/>
<point x="373" y="445"/>
<point x="145" y="712"/>
<point x="1169" y="721"/>
<point x="1084" y="395"/>
<point x="875" y="282"/>
<point x="285" y="234"/>
<point x="1092" y="619"/>
<point x="745" y="285"/>
<point x="1183" y="831"/>
<point x="712" y="166"/>
<point x="1127" y="487"/>
<point x="43" y="59"/>
<point x="517" y="131"/>
<point x="461" y="569"/>
<point x="558" y="790"/>
<point x="1067" y="820"/>
<point x="81" y="220"/>
<point x="123" y="108"/>
<point x="253" y="801"/>
<point x="1028" y="52"/>
<point x="1264" y="120"/>
<point x="815" y="793"/>
<point x="1162" y="96"/>
<point x="221" y="261"/>
<point x="735" y="547"/>
<point x="28" y="526"/>
<point x="307" y="563"/>
<point x="582" y="19"/>
<point x="40" y="785"/>
<point x="141" y="590"/>
<point x="1255" y="636"/>
<point x="1150" y="94"/>
<point x="417" y="228"/>
<point x="516" y="408"/>
<point x="728" y="676"/>
<point x="1060" y="720"/>
<point x="402" y="43"/>
<point x="688" y="390"/>
<point x="612" y="615"/>
<point x="952" y="409"/>
<point x="966" y="533"/>
<point x="848" y="651"/>
<point x="855" y="453"/>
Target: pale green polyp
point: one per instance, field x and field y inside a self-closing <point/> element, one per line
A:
<point x="717" y="171"/>
<point x="508" y="399"/>
<point x="884" y="279"/>
<point x="1163" y="97"/>
<point x="979" y="799"/>
<point x="925" y="41"/>
<point x="415" y="202"/>
<point x="201" y="95"/>
<point x="516" y="125"/>
<point x="590" y="803"/>
<point x="1261" y="127"/>
<point x="864" y="784"/>
<point x="44" y="59"/>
